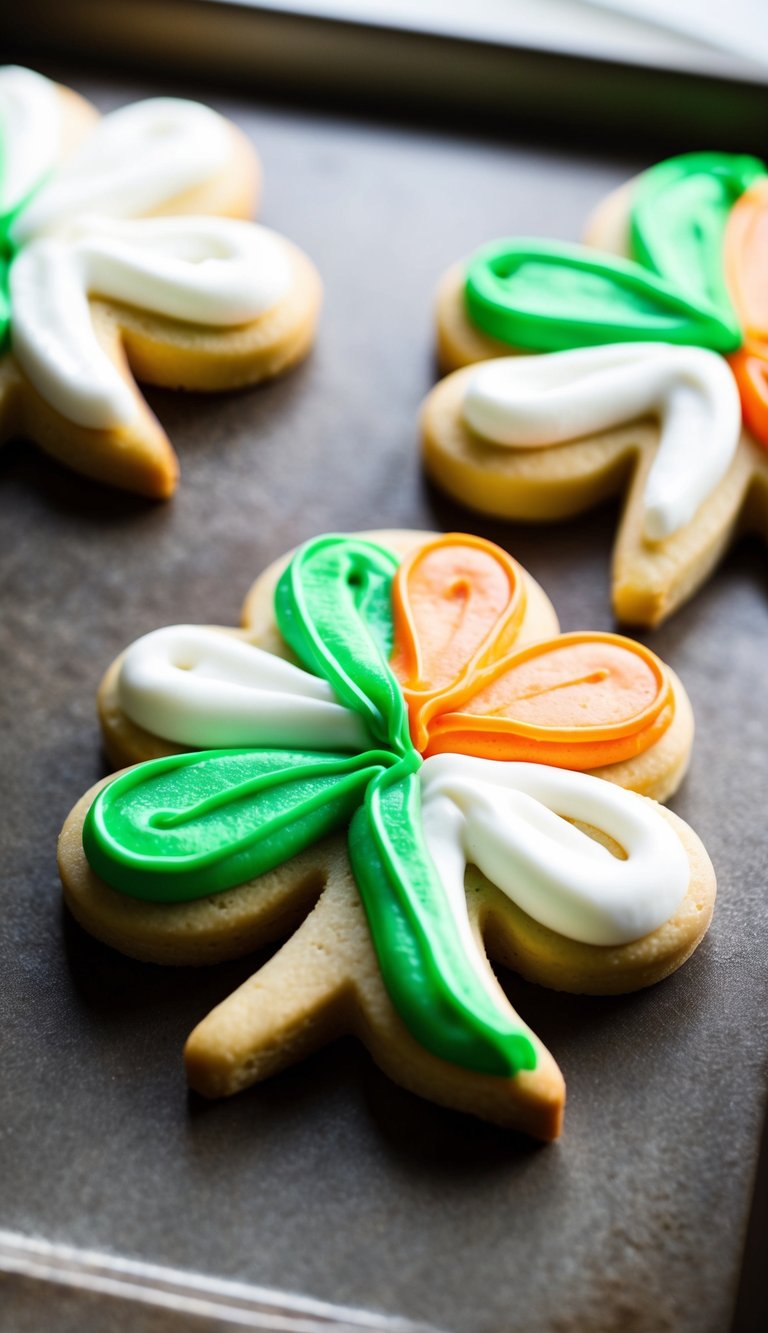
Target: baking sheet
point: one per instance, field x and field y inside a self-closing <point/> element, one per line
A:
<point x="329" y="1180"/>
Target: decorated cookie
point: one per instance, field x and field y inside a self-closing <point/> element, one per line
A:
<point x="647" y="372"/>
<point x="124" y="252"/>
<point x="397" y="765"/>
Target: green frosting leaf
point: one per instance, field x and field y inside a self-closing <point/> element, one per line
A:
<point x="333" y="606"/>
<point x="679" y="213"/>
<point x="183" y="827"/>
<point x="424" y="962"/>
<point x="548" y="297"/>
<point x="5" y="305"/>
<point x="178" y="828"/>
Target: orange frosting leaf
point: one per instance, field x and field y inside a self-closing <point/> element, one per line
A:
<point x="458" y="603"/>
<point x="578" y="701"/>
<point x="750" y="368"/>
<point x="746" y="259"/>
<point x="746" y="270"/>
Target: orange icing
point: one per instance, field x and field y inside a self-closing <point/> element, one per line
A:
<point x="578" y="701"/>
<point x="746" y="270"/>
<point x="458" y="603"/>
<point x="750" y="367"/>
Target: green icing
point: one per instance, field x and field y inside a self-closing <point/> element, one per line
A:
<point x="548" y="297"/>
<point x="5" y="305"/>
<point x="423" y="960"/>
<point x="190" y="825"/>
<point x="678" y="218"/>
<point x="333" y="607"/>
<point x="186" y="826"/>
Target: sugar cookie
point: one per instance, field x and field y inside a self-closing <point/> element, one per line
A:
<point x="126" y="253"/>
<point x="400" y="816"/>
<point x="649" y="374"/>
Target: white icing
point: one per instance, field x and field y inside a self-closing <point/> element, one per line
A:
<point x="510" y="820"/>
<point x="203" y="688"/>
<point x="529" y="402"/>
<point x="211" y="271"/>
<point x="29" y="133"/>
<point x="135" y="161"/>
<point x="443" y="823"/>
<point x="54" y="341"/>
<point x="78" y="237"/>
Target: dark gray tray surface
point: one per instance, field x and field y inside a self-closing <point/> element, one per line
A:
<point x="330" y="1180"/>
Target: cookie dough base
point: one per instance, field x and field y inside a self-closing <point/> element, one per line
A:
<point x="650" y="579"/>
<point x="177" y="355"/>
<point x="459" y="341"/>
<point x="326" y="982"/>
<point x="660" y="769"/>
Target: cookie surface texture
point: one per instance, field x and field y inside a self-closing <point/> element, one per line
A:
<point x="366" y="771"/>
<point x="637" y="366"/>
<point x="128" y="255"/>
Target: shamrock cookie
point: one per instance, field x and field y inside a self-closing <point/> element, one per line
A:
<point x="123" y="252"/>
<point x="654" y="378"/>
<point x="369" y="769"/>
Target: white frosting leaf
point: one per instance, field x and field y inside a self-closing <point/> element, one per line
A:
<point x="54" y="341"/>
<point x="29" y="133"/>
<point x="510" y="820"/>
<point x="217" y="272"/>
<point x="529" y="402"/>
<point x="136" y="160"/>
<point x="205" y="270"/>
<point x="202" y="688"/>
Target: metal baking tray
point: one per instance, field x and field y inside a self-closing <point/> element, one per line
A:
<point x="329" y="1181"/>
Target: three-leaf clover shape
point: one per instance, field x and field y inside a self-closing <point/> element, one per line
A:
<point x="429" y="669"/>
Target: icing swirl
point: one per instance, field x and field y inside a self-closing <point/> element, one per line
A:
<point x="201" y="687"/>
<point x="510" y="820"/>
<point x="548" y="297"/>
<point x="680" y="210"/>
<point x="216" y="272"/>
<point x="136" y="160"/>
<point x="533" y="402"/>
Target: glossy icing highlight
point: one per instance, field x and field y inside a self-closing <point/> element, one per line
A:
<point x="136" y="160"/>
<point x="680" y="210"/>
<point x="205" y="688"/>
<point x="537" y="401"/>
<point x="579" y="701"/>
<point x="511" y="820"/>
<point x="697" y="276"/>
<point x="549" y="297"/>
<point x="29" y="137"/>
<point x="216" y="272"/>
